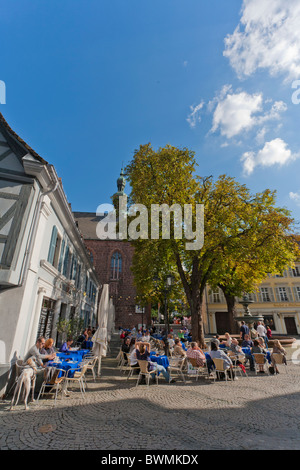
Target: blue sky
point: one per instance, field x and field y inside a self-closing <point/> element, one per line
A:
<point x="88" y="81"/>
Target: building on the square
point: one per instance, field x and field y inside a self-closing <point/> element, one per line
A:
<point x="278" y="300"/>
<point x="112" y="259"/>
<point x="46" y="273"/>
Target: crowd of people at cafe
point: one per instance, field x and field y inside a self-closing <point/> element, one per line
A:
<point x="136" y="344"/>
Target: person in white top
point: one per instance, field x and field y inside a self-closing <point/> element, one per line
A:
<point x="261" y="330"/>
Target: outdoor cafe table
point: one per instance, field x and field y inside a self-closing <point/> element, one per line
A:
<point x="69" y="360"/>
<point x="66" y="365"/>
<point x="75" y="355"/>
<point x="161" y="360"/>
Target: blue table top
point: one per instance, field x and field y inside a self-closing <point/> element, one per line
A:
<point x="162" y="360"/>
<point x="66" y="365"/>
<point x="79" y="354"/>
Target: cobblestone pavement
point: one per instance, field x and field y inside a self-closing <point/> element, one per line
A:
<point x="258" y="412"/>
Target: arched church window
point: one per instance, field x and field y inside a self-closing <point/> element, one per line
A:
<point x="116" y="265"/>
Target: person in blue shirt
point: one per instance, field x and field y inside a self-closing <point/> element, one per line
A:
<point x="66" y="346"/>
<point x="244" y="330"/>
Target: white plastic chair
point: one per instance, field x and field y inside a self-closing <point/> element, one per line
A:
<point x="52" y="382"/>
<point x="78" y="377"/>
<point x="279" y="359"/>
<point x="220" y="367"/>
<point x="259" y="361"/>
<point x="177" y="365"/>
<point x="147" y="374"/>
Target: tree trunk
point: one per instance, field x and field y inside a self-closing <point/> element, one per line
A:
<point x="197" y="321"/>
<point x="230" y="301"/>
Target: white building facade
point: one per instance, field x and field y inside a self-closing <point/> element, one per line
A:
<point x="46" y="273"/>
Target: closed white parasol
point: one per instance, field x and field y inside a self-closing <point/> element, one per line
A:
<point x="100" y="337"/>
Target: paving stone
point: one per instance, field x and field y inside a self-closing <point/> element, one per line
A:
<point x="258" y="412"/>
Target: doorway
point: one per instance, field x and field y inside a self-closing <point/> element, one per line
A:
<point x="290" y="325"/>
<point x="223" y="323"/>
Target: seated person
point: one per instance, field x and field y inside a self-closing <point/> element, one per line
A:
<point x="132" y="357"/>
<point x="171" y="341"/>
<point x="35" y="352"/>
<point x="178" y="350"/>
<point x="89" y="334"/>
<point x="247" y="342"/>
<point x="126" y="347"/>
<point x="257" y="349"/>
<point x="143" y="354"/>
<point x="81" y="339"/>
<point x="86" y="335"/>
<point x="196" y="353"/>
<point x="48" y="348"/>
<point x="262" y="343"/>
<point x="147" y="336"/>
<point x="278" y="349"/>
<point x="181" y="336"/>
<point x="228" y="340"/>
<point x="236" y="348"/>
<point x="216" y="353"/>
<point x="66" y="346"/>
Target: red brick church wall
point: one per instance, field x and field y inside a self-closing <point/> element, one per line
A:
<point x="122" y="290"/>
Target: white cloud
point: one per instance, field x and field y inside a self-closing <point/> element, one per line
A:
<point x="267" y="37"/>
<point x="295" y="197"/>
<point x="235" y="113"/>
<point x="275" y="152"/>
<point x="194" y="116"/>
<point x="238" y="112"/>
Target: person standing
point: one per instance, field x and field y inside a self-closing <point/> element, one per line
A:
<point x="262" y="332"/>
<point x="244" y="330"/>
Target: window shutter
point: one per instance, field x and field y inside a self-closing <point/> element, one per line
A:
<point x="73" y="274"/>
<point x="78" y="276"/>
<point x="297" y="293"/>
<point x="66" y="261"/>
<point x="289" y="294"/>
<point x="61" y="257"/>
<point x="271" y="294"/>
<point x="52" y="245"/>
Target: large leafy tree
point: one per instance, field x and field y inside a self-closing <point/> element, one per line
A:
<point x="241" y="231"/>
<point x="267" y="246"/>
